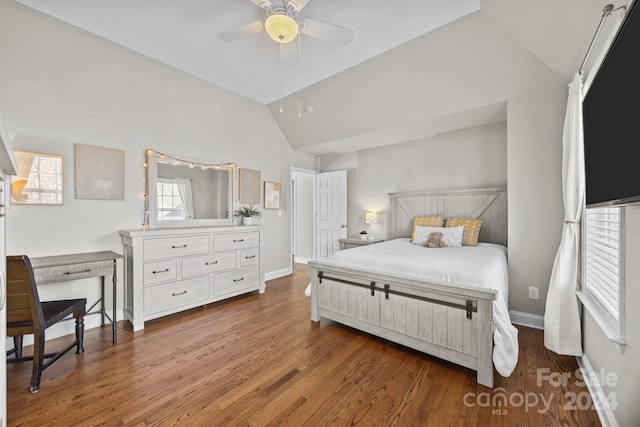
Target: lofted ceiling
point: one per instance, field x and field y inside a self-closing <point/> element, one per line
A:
<point x="392" y="41"/>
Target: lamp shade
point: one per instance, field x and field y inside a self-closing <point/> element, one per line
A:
<point x="281" y="28"/>
<point x="371" y="218"/>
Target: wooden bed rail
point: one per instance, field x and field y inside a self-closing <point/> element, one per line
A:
<point x="468" y="306"/>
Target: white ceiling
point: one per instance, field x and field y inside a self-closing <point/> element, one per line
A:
<point x="358" y="99"/>
<point x="184" y="34"/>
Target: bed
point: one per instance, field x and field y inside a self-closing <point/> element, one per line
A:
<point x="428" y="299"/>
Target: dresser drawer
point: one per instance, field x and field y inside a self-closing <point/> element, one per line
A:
<point x="249" y="257"/>
<point x="63" y="273"/>
<point x="160" y="271"/>
<point x="229" y="282"/>
<point x="173" y="295"/>
<point x="197" y="266"/>
<point x="232" y="241"/>
<point x="173" y="247"/>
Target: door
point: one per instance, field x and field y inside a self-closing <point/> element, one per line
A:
<point x="8" y="166"/>
<point x="331" y="212"/>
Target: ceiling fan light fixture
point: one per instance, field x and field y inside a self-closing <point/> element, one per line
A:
<point x="281" y="28"/>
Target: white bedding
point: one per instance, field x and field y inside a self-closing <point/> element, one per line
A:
<point x="484" y="265"/>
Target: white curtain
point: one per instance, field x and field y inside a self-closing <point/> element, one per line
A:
<point x="562" y="329"/>
<point x="186" y="196"/>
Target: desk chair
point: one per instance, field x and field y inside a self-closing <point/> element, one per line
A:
<point x="26" y="314"/>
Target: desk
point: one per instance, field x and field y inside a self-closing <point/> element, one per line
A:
<point x="64" y="268"/>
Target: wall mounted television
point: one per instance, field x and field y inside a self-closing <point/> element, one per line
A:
<point x="611" y="116"/>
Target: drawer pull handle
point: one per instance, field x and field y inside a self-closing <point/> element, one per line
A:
<point x="176" y="294"/>
<point x="238" y="240"/>
<point x="238" y="280"/>
<point x="166" y="270"/>
<point x="249" y="257"/>
<point x="211" y="263"/>
<point x="178" y="247"/>
<point x="77" y="272"/>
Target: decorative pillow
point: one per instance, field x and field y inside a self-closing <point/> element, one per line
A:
<point x="471" y="229"/>
<point x="451" y="236"/>
<point x="426" y="221"/>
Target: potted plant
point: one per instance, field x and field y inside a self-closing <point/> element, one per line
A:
<point x="248" y="213"/>
<point x="363" y="234"/>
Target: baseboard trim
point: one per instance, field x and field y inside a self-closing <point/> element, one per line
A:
<point x="605" y="413"/>
<point x="527" y="319"/>
<point x="301" y="260"/>
<point x="278" y="273"/>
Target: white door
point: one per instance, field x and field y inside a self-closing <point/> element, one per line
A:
<point x="331" y="212"/>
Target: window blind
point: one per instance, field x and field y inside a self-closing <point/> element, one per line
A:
<point x="603" y="260"/>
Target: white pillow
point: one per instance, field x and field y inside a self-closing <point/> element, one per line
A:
<point x="451" y="236"/>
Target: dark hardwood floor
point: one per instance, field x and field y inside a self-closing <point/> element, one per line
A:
<point x="258" y="360"/>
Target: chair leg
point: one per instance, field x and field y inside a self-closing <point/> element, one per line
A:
<point x="17" y="344"/>
<point x="38" y="359"/>
<point x="80" y="335"/>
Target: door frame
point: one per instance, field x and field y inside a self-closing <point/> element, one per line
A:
<point x="292" y="202"/>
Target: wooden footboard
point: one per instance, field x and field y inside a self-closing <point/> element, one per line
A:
<point x="452" y="322"/>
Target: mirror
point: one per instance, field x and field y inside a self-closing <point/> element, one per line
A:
<point x="187" y="192"/>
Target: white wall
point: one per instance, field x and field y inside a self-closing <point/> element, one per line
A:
<point x="536" y="212"/>
<point x="474" y="157"/>
<point x="623" y="370"/>
<point x="60" y="86"/>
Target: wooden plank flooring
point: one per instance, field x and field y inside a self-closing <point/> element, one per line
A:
<point x="258" y="360"/>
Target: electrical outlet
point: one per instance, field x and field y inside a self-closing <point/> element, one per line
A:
<point x="533" y="292"/>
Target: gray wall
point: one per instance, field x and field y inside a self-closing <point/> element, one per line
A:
<point x="60" y="85"/>
<point x="304" y="244"/>
<point x="524" y="153"/>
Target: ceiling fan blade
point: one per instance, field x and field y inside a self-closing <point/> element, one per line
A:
<point x="264" y="4"/>
<point x="325" y="31"/>
<point x="242" y="31"/>
<point x="299" y="4"/>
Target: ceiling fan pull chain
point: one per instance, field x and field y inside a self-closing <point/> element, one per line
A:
<point x="299" y="81"/>
<point x="281" y="67"/>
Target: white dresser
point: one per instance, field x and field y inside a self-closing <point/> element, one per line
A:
<point x="169" y="270"/>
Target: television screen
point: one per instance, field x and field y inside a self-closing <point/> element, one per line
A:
<point x="611" y="115"/>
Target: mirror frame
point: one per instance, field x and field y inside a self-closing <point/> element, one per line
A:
<point x="151" y="179"/>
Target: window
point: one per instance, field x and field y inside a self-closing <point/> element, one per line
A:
<point x="603" y="277"/>
<point x="169" y="204"/>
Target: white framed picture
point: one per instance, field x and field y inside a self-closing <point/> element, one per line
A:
<point x="99" y="173"/>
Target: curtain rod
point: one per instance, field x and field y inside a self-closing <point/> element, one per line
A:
<point x="606" y="11"/>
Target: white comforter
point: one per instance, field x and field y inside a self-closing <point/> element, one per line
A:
<point x="484" y="266"/>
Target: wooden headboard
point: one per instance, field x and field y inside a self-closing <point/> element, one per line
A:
<point x="487" y="204"/>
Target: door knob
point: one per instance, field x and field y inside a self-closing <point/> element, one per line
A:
<point x="343" y="225"/>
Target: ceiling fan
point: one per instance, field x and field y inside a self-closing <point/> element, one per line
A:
<point x="283" y="25"/>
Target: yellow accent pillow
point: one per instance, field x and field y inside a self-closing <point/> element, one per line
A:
<point x="426" y="221"/>
<point x="470" y="231"/>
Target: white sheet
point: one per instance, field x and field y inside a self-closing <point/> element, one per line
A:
<point x="483" y="266"/>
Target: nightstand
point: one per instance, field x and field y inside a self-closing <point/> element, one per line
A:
<point x="352" y="242"/>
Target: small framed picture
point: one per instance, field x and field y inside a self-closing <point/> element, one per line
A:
<point x="271" y="195"/>
<point x="39" y="180"/>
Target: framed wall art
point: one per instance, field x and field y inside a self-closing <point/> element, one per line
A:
<point x="271" y="195"/>
<point x="99" y="173"/>
<point x="249" y="186"/>
<point x="39" y="180"/>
